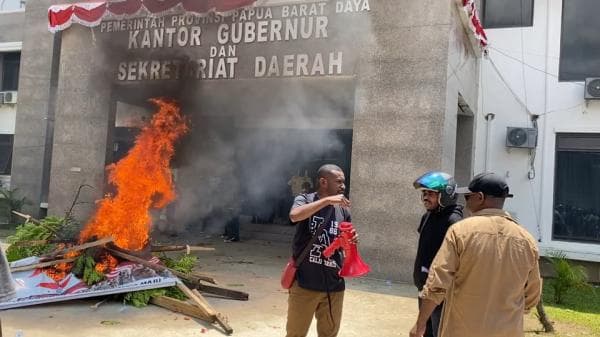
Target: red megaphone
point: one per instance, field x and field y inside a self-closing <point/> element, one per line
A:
<point x="354" y="266"/>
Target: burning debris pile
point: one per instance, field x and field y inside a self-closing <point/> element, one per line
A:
<point x="52" y="261"/>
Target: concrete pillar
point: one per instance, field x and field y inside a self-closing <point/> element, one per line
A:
<point x="398" y="121"/>
<point x="81" y="125"/>
<point x="34" y="105"/>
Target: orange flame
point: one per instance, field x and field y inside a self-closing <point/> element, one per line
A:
<point x="143" y="181"/>
<point x="59" y="271"/>
<point x="108" y="263"/>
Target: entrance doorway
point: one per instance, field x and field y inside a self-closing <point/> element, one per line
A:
<point x="463" y="162"/>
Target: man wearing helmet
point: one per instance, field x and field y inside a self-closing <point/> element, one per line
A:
<point x="438" y="194"/>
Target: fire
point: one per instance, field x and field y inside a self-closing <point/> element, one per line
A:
<point x="142" y="181"/>
<point x="60" y="270"/>
<point x="108" y="263"/>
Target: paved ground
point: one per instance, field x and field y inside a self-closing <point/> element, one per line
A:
<point x="372" y="307"/>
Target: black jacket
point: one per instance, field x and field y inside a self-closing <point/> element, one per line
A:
<point x="432" y="229"/>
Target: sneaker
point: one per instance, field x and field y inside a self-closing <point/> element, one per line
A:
<point x="231" y="240"/>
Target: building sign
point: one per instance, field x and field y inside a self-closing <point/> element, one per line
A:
<point x="300" y="40"/>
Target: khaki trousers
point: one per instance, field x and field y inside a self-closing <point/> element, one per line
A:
<point x="303" y="304"/>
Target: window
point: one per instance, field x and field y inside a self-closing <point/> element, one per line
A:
<point x="9" y="71"/>
<point x="507" y="13"/>
<point x="6" y="149"/>
<point x="580" y="41"/>
<point x="577" y="188"/>
<point x="11" y="5"/>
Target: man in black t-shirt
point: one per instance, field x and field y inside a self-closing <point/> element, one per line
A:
<point x="318" y="290"/>
<point x="438" y="195"/>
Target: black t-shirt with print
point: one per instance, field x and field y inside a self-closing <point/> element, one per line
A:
<point x="317" y="273"/>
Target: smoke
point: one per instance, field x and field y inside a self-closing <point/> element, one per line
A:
<point x="248" y="137"/>
<point x="247" y="142"/>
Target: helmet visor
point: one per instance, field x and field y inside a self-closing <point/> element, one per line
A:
<point x="431" y="181"/>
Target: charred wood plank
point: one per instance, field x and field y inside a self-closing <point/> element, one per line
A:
<point x="141" y="261"/>
<point x="30" y="243"/>
<point x="76" y="248"/>
<point x="224" y="292"/>
<point x="41" y="265"/>
<point x="176" y="248"/>
<point x="192" y="278"/>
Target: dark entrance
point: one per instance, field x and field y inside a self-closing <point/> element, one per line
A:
<point x="247" y="140"/>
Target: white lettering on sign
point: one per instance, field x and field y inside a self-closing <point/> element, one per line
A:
<point x="298" y="65"/>
<point x="273" y="30"/>
<point x="155" y="38"/>
<point x="247" y="14"/>
<point x="303" y="10"/>
<point x="291" y="27"/>
<point x="352" y="6"/>
<point x="211" y="68"/>
<point x="132" y="24"/>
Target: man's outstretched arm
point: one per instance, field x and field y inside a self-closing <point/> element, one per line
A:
<point x="303" y="212"/>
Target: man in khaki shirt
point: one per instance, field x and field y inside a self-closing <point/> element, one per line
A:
<point x="486" y="271"/>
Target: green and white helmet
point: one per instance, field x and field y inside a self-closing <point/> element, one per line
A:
<point x="440" y="182"/>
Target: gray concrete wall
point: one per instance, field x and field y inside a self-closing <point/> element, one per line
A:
<point x="462" y="78"/>
<point x="34" y="102"/>
<point x="81" y="124"/>
<point x="400" y="107"/>
<point x="12" y="26"/>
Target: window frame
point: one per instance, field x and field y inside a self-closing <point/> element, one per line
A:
<point x="557" y="149"/>
<point x="561" y="77"/>
<point x="487" y="26"/>
<point x="11" y="143"/>
<point x="3" y="70"/>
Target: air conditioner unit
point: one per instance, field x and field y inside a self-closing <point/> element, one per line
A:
<point x="521" y="137"/>
<point x="8" y="97"/>
<point x="592" y="88"/>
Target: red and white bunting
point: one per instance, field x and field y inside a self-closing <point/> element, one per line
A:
<point x="474" y="22"/>
<point x="90" y="14"/>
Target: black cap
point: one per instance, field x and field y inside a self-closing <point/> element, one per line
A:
<point x="489" y="184"/>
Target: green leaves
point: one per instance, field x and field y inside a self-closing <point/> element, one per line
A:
<point x="184" y="264"/>
<point x="568" y="276"/>
<point x="50" y="228"/>
<point x="141" y="298"/>
<point x="84" y="267"/>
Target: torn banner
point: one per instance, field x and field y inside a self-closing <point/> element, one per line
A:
<point x="35" y="287"/>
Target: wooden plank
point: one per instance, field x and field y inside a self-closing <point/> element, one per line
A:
<point x="29" y="243"/>
<point x="175" y="248"/>
<point x="27" y="217"/>
<point x="181" y="307"/>
<point x="201" y="298"/>
<point x="143" y="262"/>
<point x="221" y="320"/>
<point x="224" y="323"/>
<point x="193" y="278"/>
<point x="197" y="300"/>
<point x="42" y="265"/>
<point x="76" y="248"/>
<point x="228" y="293"/>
